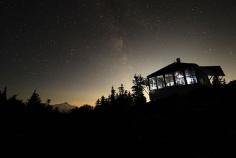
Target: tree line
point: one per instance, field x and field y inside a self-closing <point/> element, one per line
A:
<point x="202" y="121"/>
<point x="121" y="99"/>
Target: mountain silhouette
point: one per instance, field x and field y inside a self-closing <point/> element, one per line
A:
<point x="64" y="107"/>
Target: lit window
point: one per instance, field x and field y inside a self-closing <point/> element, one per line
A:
<point x="152" y="83"/>
<point x="179" y="78"/>
<point x="190" y="76"/>
<point x="169" y="80"/>
<point x="160" y="82"/>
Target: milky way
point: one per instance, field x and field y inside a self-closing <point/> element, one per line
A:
<point x="76" y="50"/>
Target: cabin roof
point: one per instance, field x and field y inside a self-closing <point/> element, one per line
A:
<point x="212" y="70"/>
<point x="172" y="67"/>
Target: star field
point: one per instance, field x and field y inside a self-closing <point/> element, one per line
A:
<point x="76" y="50"/>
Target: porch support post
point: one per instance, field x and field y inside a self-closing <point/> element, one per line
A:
<point x="156" y="82"/>
<point x="173" y="74"/>
<point x="149" y="84"/>
<point x="185" y="80"/>
<point x="164" y="79"/>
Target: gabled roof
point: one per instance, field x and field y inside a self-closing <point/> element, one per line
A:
<point x="212" y="70"/>
<point x="172" y="67"/>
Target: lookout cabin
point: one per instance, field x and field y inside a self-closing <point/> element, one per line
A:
<point x="180" y="78"/>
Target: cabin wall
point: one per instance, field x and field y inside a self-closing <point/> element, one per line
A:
<point x="202" y="78"/>
<point x="185" y="76"/>
<point x="172" y="91"/>
<point x="179" y="82"/>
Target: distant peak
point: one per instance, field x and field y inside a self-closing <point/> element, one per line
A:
<point x="64" y="107"/>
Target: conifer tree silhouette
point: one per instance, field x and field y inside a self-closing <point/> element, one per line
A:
<point x="138" y="88"/>
<point x="112" y="96"/>
<point x="103" y="101"/>
<point x="4" y="95"/>
<point x="98" y="103"/>
<point x="121" y="90"/>
<point x="15" y="105"/>
<point x="3" y="100"/>
<point x="34" y="103"/>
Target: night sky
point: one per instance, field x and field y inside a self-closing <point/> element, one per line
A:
<point x="75" y="50"/>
